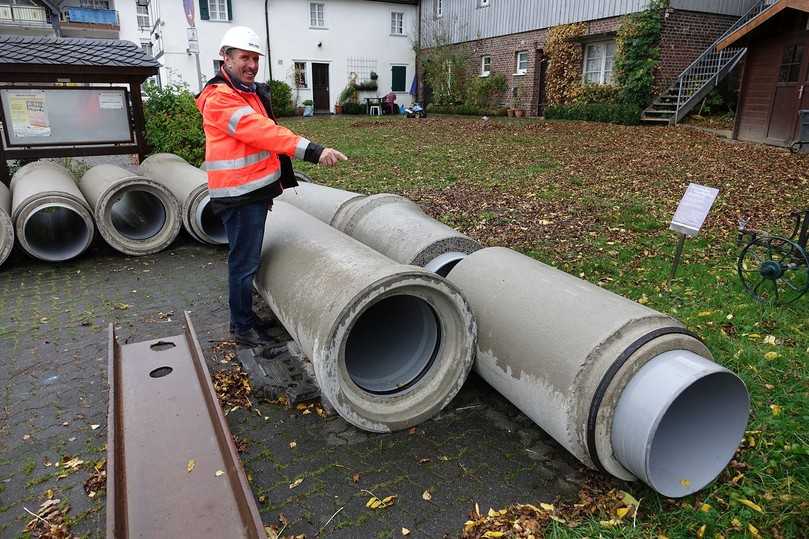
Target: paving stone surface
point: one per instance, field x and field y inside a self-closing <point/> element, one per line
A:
<point x="53" y="349"/>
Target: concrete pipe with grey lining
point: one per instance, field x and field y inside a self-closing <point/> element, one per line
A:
<point x="6" y="226"/>
<point x="391" y="344"/>
<point x="52" y="219"/>
<point x="136" y="215"/>
<point x="393" y="225"/>
<point x="624" y="388"/>
<point x="190" y="185"/>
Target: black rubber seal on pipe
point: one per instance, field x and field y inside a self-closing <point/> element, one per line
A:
<point x="601" y="390"/>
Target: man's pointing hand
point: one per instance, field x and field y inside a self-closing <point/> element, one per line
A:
<point x="330" y="157"/>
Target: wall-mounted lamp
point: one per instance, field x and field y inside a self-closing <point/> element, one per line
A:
<point x="319" y="43"/>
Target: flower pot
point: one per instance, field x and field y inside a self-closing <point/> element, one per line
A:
<point x="519" y="113"/>
<point x="299" y="111"/>
<point x="308" y="110"/>
<point x="338" y="109"/>
<point x="510" y="113"/>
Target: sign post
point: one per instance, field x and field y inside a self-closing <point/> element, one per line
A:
<point x="689" y="217"/>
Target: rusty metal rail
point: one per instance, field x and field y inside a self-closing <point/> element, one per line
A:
<point x="172" y="467"/>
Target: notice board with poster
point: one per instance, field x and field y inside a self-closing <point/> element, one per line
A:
<point x="66" y="115"/>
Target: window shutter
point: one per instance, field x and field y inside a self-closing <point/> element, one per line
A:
<point x="230" y="10"/>
<point x="203" y="10"/>
<point x="398" y="74"/>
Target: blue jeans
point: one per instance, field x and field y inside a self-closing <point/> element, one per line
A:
<point x="245" y="229"/>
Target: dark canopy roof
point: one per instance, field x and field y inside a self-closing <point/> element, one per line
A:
<point x="71" y="56"/>
<point x="740" y="35"/>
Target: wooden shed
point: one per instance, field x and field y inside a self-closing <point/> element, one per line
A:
<point x="775" y="80"/>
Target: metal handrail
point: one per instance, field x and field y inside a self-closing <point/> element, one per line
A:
<point x="709" y="65"/>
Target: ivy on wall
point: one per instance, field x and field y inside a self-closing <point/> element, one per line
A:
<point x="638" y="53"/>
<point x="564" y="62"/>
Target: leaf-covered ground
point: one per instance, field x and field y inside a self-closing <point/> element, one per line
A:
<point x="595" y="200"/>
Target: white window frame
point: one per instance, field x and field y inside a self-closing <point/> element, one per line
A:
<point x="519" y="70"/>
<point x="483" y="71"/>
<point x="295" y="74"/>
<point x="603" y="76"/>
<point x="141" y="16"/>
<point x="393" y="26"/>
<point x="214" y="13"/>
<point x="313" y="20"/>
<point x="439" y="8"/>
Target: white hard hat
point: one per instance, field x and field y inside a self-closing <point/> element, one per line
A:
<point x="241" y="37"/>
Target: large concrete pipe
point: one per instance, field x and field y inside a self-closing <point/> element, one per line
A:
<point x="393" y="225"/>
<point x="136" y="215"/>
<point x="190" y="185"/>
<point x="624" y="388"/>
<point x="51" y="216"/>
<point x="6" y="226"/>
<point x="390" y="344"/>
<point x="318" y="200"/>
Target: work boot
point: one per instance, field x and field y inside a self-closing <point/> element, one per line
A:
<point x="250" y="338"/>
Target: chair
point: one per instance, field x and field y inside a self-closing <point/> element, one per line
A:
<point x="375" y="110"/>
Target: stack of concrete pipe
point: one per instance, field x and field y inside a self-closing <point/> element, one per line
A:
<point x="190" y="185"/>
<point x="6" y="226"/>
<point x="52" y="219"/>
<point x="134" y="214"/>
<point x="625" y="389"/>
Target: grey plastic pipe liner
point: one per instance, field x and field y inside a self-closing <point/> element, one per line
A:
<point x="134" y="214"/>
<point x="52" y="219"/>
<point x="393" y="225"/>
<point x="391" y="344"/>
<point x="625" y="389"/>
<point x="190" y="186"/>
<point x="6" y="226"/>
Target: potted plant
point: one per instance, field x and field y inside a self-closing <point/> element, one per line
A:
<point x="308" y="108"/>
<point x="515" y="103"/>
<point x="338" y="108"/>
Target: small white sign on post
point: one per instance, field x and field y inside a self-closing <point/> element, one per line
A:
<point x="193" y="41"/>
<point x="693" y="209"/>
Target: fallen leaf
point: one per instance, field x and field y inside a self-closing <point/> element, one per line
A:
<point x="491" y="533"/>
<point x="609" y="523"/>
<point x="190" y="465"/>
<point x="296" y="482"/>
<point x="685" y="482"/>
<point x="643" y="300"/>
<point x="120" y="306"/>
<point x="94" y="427"/>
<point x="355" y="478"/>
<point x="701" y="531"/>
<point x="776" y="409"/>
<point x="751" y="505"/>
<point x="26" y="436"/>
<point x="628" y="499"/>
<point x="703" y="314"/>
<point x="424" y="461"/>
<point x="293" y="444"/>
<point x="769" y="356"/>
<point x="219" y="473"/>
<point x="705" y="507"/>
<point x="405" y="531"/>
<point x="426" y="495"/>
<point x="736" y="523"/>
<point x="547" y="507"/>
<point x="412" y="430"/>
<point x="753" y="530"/>
<point x="621" y="512"/>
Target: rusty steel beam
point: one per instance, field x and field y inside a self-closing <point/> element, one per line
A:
<point x="172" y="467"/>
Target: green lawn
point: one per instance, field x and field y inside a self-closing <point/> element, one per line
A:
<point x="595" y="201"/>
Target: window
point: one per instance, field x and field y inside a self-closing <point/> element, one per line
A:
<point x="439" y="8"/>
<point x="218" y="10"/>
<point x="598" y="61"/>
<point x="485" y="66"/>
<point x="398" y="77"/>
<point x="791" y="64"/>
<point x="300" y="75"/>
<point x="143" y="17"/>
<point x="147" y="47"/>
<point x="397" y="23"/>
<point x="522" y="63"/>
<point x="317" y="15"/>
<point x="95" y="4"/>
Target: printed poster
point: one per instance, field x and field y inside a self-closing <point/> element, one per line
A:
<point x="693" y="209"/>
<point x="29" y="113"/>
<point x="110" y="100"/>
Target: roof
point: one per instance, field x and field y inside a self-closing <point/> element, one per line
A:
<point x="754" y="23"/>
<point x="107" y="55"/>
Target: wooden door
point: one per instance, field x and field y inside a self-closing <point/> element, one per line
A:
<point x="788" y="94"/>
<point x="320" y="87"/>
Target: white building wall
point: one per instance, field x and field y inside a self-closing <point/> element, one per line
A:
<point x="128" y="20"/>
<point x="355" y="30"/>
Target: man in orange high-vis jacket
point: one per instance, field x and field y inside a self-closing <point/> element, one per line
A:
<point x="248" y="161"/>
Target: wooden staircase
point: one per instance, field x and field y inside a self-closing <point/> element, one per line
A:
<point x="703" y="75"/>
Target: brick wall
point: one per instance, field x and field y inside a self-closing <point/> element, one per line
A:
<point x="686" y="35"/>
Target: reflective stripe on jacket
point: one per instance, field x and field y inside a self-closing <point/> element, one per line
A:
<point x="242" y="144"/>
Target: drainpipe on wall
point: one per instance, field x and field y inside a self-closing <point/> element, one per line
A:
<point x="53" y="7"/>
<point x="267" y="27"/>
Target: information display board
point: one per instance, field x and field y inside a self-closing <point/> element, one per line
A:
<point x="58" y="116"/>
<point x="693" y="209"/>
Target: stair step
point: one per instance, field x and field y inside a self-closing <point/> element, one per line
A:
<point x="653" y="112"/>
<point x="651" y="120"/>
<point x="663" y="105"/>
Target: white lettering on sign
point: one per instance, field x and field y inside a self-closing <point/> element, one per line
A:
<point x="693" y="209"/>
<point x="110" y="100"/>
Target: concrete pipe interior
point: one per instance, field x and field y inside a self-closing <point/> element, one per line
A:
<point x="210" y="223"/>
<point x="392" y="344"/>
<point x="55" y="232"/>
<point x="444" y="263"/>
<point x="137" y="214"/>
<point x="681" y="418"/>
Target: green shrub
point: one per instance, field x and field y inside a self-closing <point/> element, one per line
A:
<point x="616" y="113"/>
<point x="281" y="95"/>
<point x="368" y="86"/>
<point x="486" y="92"/>
<point x="173" y="123"/>
<point x="353" y="108"/>
<point x="349" y="94"/>
<point x="638" y="53"/>
<point x="590" y="93"/>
